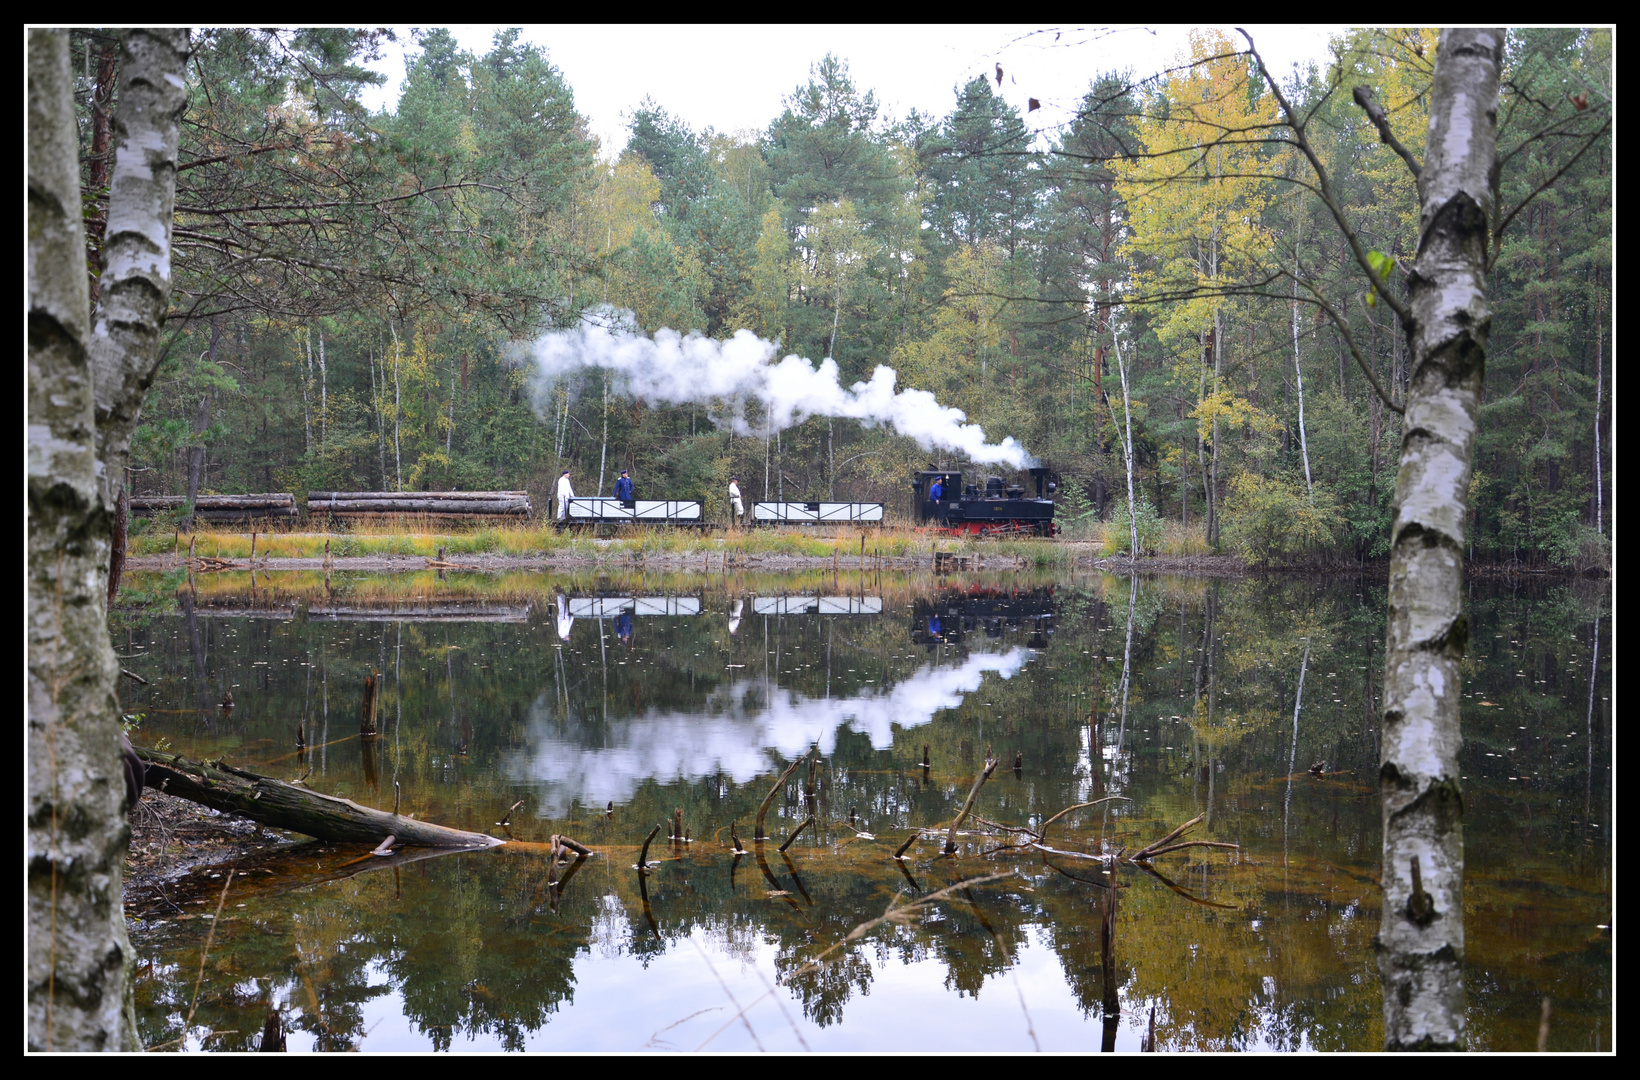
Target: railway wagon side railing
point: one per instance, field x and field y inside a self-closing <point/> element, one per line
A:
<point x="600" y="510"/>
<point x="817" y="513"/>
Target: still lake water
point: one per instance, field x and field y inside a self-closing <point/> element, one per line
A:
<point x="658" y="694"/>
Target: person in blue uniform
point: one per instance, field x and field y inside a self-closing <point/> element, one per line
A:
<point x="623" y="487"/>
<point x="936" y="490"/>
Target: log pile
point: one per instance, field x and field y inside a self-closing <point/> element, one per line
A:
<point x="434" y="504"/>
<point x="277" y="505"/>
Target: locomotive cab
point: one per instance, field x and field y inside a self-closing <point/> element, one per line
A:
<point x="923" y="507"/>
<point x="997" y="508"/>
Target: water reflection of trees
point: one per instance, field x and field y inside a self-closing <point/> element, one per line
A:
<point x="475" y="948"/>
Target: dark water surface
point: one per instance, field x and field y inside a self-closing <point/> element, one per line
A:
<point x="659" y="694"/>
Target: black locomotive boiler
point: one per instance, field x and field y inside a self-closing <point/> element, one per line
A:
<point x="997" y="509"/>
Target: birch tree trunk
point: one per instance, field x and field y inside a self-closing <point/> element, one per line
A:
<point x="1599" y="401"/>
<point x="1298" y="369"/>
<point x="1421" y="937"/>
<point x="1127" y="449"/>
<point x="398" y="460"/>
<point x="87" y="378"/>
<point x="307" y="383"/>
<point x="324" y="394"/>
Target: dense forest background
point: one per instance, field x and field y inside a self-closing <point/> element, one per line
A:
<point x="351" y="287"/>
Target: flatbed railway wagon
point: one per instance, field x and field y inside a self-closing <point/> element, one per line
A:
<point x="817" y="513"/>
<point x="994" y="510"/>
<point x="607" y="511"/>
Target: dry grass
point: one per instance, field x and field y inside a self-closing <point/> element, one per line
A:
<point x="1176" y="540"/>
<point x="419" y="537"/>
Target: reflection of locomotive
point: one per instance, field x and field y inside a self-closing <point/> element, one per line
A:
<point x="953" y="614"/>
<point x="994" y="510"/>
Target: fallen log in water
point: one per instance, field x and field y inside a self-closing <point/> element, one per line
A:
<point x="290" y="806"/>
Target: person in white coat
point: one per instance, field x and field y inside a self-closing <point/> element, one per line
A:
<point x="734" y="499"/>
<point x="565" y="494"/>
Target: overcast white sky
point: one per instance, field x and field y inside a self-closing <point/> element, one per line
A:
<point x="735" y="77"/>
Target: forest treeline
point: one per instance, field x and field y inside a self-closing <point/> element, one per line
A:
<point x="351" y="286"/>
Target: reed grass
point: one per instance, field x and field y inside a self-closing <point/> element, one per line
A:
<point x="414" y="536"/>
<point x="1177" y="541"/>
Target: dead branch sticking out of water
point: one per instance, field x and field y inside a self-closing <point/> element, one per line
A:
<point x="643" y="855"/>
<point x="1174" y="835"/>
<point x="912" y="839"/>
<point x="1042" y="833"/>
<point x="367" y="707"/>
<point x="968" y="804"/>
<point x="768" y="799"/>
<point x="1165" y="844"/>
<point x="505" y="818"/>
<point x="806" y="823"/>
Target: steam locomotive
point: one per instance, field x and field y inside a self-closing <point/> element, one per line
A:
<point x="994" y="510"/>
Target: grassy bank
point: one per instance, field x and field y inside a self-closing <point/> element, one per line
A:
<point x="418" y="537"/>
<point x="414" y="538"/>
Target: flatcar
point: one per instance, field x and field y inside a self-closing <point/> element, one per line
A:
<point x="994" y="510"/>
<point x="607" y="511"/>
<point x="817" y="605"/>
<point x="817" y="513"/>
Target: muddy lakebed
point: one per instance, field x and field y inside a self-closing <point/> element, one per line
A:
<point x="608" y="705"/>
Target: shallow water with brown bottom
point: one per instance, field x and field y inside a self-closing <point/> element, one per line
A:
<point x="607" y="705"/>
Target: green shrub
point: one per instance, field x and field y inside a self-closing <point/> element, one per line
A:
<point x="1567" y="541"/>
<point x="1119" y="531"/>
<point x="1270" y="519"/>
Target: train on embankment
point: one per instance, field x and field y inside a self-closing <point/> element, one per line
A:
<point x="940" y="503"/>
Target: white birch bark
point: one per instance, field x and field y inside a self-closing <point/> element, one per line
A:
<point x="86" y="381"/>
<point x="603" y="451"/>
<point x="307" y="383"/>
<point x="398" y="460"/>
<point x="1599" y="392"/>
<point x="1298" y="368"/>
<point x="324" y="393"/>
<point x="1421" y="936"/>
<point x="1127" y="448"/>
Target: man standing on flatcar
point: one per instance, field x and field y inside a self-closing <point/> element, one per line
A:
<point x="565" y="494"/>
<point x="734" y="499"/>
<point x="623" y="488"/>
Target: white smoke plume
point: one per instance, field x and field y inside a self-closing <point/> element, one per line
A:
<point x="671" y="369"/>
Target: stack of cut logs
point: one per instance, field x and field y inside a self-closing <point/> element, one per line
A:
<point x="435" y="504"/>
<point x="279" y="505"/>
